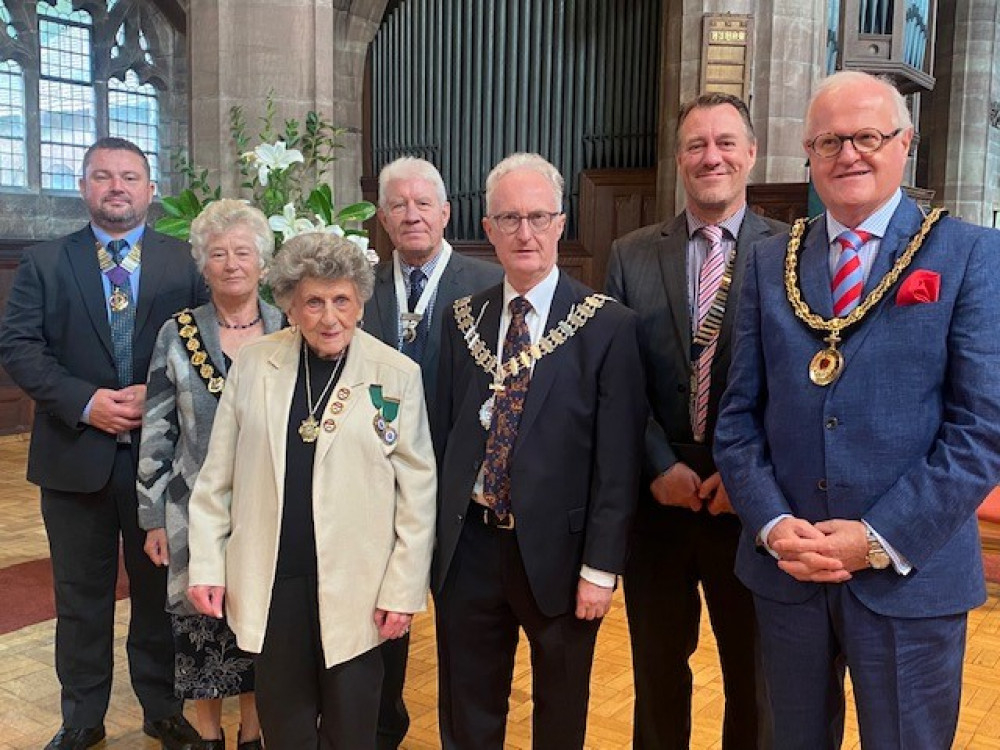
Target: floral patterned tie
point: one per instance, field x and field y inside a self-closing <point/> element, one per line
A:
<point x="507" y="408"/>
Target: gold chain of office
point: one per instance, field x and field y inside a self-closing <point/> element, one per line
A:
<point x="836" y="325"/>
<point x="552" y="340"/>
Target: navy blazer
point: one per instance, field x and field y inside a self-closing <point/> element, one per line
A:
<point x="908" y="438"/>
<point x="462" y="276"/>
<point x="56" y="345"/>
<point x="576" y="462"/>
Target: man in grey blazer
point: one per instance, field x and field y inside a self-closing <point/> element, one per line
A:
<point x="423" y="277"/>
<point x="685" y="531"/>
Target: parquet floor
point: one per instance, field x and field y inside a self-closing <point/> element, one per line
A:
<point x="29" y="692"/>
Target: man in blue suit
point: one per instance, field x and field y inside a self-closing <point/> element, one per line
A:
<point x="859" y="433"/>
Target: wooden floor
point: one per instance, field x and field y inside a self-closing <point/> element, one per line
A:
<point x="29" y="692"/>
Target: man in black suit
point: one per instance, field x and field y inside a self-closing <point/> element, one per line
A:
<point x="685" y="530"/>
<point x="539" y="421"/>
<point x="81" y="320"/>
<point x="413" y="289"/>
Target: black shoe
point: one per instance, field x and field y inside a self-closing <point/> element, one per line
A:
<point x="174" y="733"/>
<point x="76" y="739"/>
<point x="219" y="744"/>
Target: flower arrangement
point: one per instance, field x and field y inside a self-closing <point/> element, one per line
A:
<point x="283" y="176"/>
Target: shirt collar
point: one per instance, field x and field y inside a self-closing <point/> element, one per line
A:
<point x="132" y="237"/>
<point x="876" y="224"/>
<point x="427" y="268"/>
<point x="540" y="295"/>
<point x="731" y="224"/>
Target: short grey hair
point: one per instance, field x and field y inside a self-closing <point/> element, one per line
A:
<point x="844" y="78"/>
<point x="225" y="215"/>
<point x="528" y="163"/>
<point x="411" y="168"/>
<point x="322" y="256"/>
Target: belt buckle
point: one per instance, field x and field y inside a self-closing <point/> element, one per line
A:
<point x="492" y="519"/>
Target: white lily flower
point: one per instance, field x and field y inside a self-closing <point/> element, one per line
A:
<point x="362" y="242"/>
<point x="275" y="157"/>
<point x="322" y="226"/>
<point x="289" y="224"/>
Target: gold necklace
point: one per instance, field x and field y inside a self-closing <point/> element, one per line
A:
<point x="826" y="366"/>
<point x="309" y="427"/>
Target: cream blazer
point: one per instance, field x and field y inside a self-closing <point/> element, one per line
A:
<point x="373" y="503"/>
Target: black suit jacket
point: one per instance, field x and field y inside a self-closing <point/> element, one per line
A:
<point x="647" y="272"/>
<point x="462" y="276"/>
<point x="56" y="345"/>
<point x="576" y="463"/>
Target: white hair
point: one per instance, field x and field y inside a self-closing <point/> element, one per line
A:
<point x="846" y="78"/>
<point x="411" y="168"/>
<point x="530" y="163"/>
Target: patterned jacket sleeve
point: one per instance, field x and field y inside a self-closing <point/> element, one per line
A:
<point x="159" y="433"/>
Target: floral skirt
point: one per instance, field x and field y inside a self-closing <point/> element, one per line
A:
<point x="208" y="663"/>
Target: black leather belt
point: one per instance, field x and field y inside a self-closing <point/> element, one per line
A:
<point x="487" y="517"/>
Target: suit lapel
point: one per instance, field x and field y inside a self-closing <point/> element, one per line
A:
<point x="904" y="224"/>
<point x="752" y="230"/>
<point x="386" y="326"/>
<point x="206" y="319"/>
<point x="154" y="267"/>
<point x="814" y="269"/>
<point x="81" y="254"/>
<point x="447" y="293"/>
<point x="351" y="389"/>
<point x="278" y="391"/>
<point x="673" y="269"/>
<point x="546" y="369"/>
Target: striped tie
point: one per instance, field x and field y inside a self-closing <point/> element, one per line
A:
<point x="848" y="276"/>
<point x="712" y="271"/>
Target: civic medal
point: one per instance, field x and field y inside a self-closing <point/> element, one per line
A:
<point x="329" y="425"/>
<point x="118" y="301"/>
<point x="410" y="322"/>
<point x="309" y="429"/>
<point x="386" y="411"/>
<point x="486" y="412"/>
<point x="389" y="436"/>
<point x="826" y="365"/>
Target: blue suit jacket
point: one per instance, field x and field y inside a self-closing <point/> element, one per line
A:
<point x="908" y="438"/>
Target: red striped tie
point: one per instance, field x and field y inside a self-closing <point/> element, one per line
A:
<point x="709" y="280"/>
<point x="848" y="276"/>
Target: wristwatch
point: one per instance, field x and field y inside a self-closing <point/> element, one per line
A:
<point x="877" y="558"/>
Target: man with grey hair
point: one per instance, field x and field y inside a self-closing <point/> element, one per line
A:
<point x="683" y="278"/>
<point x="540" y="415"/>
<point x="859" y="434"/>
<point x="423" y="277"/>
<point x="78" y="334"/>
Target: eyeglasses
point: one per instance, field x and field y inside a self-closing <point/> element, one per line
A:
<point x="539" y="221"/>
<point x="865" y="141"/>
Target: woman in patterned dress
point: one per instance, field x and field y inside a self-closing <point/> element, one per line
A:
<point x="231" y="242"/>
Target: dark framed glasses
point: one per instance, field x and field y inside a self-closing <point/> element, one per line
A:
<point x="865" y="141"/>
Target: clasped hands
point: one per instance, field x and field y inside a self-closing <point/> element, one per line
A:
<point x="681" y="487"/>
<point x="117" y="411"/>
<point x="824" y="552"/>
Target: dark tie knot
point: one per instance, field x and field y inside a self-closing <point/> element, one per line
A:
<point x="519" y="307"/>
<point x="417" y="279"/>
<point x="117" y="250"/>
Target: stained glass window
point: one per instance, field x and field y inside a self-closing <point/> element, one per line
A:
<point x="133" y="113"/>
<point x="13" y="158"/>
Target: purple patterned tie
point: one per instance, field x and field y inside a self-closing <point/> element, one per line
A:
<point x="507" y="407"/>
<point x="709" y="279"/>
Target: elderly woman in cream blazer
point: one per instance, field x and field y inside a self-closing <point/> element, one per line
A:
<point x="312" y="520"/>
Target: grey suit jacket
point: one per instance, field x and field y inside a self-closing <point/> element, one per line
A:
<point x="648" y="273"/>
<point x="462" y="276"/>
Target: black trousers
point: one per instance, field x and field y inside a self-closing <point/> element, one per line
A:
<point x="673" y="549"/>
<point x="483" y="602"/>
<point x="84" y="532"/>
<point x="303" y="705"/>
<point x="393" y="718"/>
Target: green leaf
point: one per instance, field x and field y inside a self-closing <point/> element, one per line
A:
<point x="189" y="204"/>
<point x="172" y="207"/>
<point x="356" y="212"/>
<point x="175" y="227"/>
<point x="319" y="201"/>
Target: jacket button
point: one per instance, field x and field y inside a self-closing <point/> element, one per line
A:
<point x="831" y="423"/>
<point x="681" y="388"/>
<point x="459" y="518"/>
<point x="821" y="484"/>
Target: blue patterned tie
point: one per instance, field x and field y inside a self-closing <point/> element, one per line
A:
<point x="507" y="407"/>
<point x="415" y="349"/>
<point x="122" y="321"/>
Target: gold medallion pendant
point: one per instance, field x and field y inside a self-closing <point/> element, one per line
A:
<point x="827" y="364"/>
<point x="309" y="429"/>
<point x="118" y="300"/>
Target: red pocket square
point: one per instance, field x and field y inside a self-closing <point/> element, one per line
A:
<point x="920" y="286"/>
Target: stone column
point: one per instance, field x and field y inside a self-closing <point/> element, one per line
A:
<point x="962" y="147"/>
<point x="788" y="58"/>
<point x="309" y="52"/>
